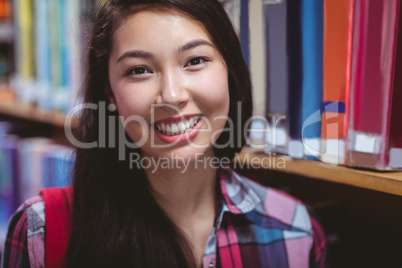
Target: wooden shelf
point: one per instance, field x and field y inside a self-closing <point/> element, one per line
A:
<point x="387" y="182"/>
<point x="29" y="112"/>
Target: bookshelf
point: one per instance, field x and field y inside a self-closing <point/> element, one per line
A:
<point x="389" y="182"/>
<point x="32" y="113"/>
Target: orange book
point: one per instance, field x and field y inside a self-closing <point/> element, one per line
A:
<point x="338" y="33"/>
<point x="5" y="10"/>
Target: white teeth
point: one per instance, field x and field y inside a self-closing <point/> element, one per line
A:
<point x="182" y="127"/>
<point x="178" y="128"/>
<point x="174" y="128"/>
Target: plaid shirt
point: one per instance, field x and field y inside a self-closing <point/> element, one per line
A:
<point x="255" y="226"/>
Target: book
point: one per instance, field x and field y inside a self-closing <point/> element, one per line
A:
<point x="63" y="87"/>
<point x="338" y="33"/>
<point x="294" y="52"/>
<point x="75" y="40"/>
<point x="5" y="183"/>
<point x="374" y="42"/>
<point x="9" y="178"/>
<point x="31" y="151"/>
<point x="395" y="132"/>
<point x="245" y="30"/>
<point x="5" y="10"/>
<point x="24" y="80"/>
<point x="57" y="166"/>
<point x="22" y="172"/>
<point x="43" y="53"/>
<point x="312" y="76"/>
<point x="51" y="37"/>
<point x="276" y="75"/>
<point x="55" y="54"/>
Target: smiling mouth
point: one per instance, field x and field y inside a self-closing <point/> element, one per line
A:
<point x="177" y="127"/>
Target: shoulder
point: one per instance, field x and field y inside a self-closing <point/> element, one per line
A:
<point x="269" y="205"/>
<point x="26" y="235"/>
<point x="281" y="206"/>
<point x="296" y="220"/>
<point x="276" y="215"/>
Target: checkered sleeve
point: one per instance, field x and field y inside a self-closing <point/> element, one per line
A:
<point x="15" y="251"/>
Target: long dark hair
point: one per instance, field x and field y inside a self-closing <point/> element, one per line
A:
<point x="116" y="222"/>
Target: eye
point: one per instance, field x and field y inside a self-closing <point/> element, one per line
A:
<point x="196" y="61"/>
<point x="138" y="71"/>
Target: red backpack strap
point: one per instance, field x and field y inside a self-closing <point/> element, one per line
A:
<point x="58" y="211"/>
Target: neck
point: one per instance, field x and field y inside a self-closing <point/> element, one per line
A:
<point x="184" y="193"/>
<point x="187" y="195"/>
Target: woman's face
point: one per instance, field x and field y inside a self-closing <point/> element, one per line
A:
<point x="169" y="83"/>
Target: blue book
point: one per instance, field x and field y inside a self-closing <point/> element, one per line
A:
<point x="47" y="172"/>
<point x="5" y="187"/>
<point x="9" y="171"/>
<point x="312" y="12"/>
<point x="43" y="52"/>
<point x="63" y="167"/>
<point x="63" y="36"/>
<point x="57" y="166"/>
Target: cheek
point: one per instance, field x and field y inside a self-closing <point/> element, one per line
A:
<point x="134" y="110"/>
<point x="133" y="102"/>
<point x="213" y="90"/>
<point x="138" y="132"/>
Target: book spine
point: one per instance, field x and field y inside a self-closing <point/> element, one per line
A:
<point x="312" y="64"/>
<point x="26" y="28"/>
<point x="25" y="70"/>
<point x="43" y="59"/>
<point x="276" y="75"/>
<point x="64" y="54"/>
<point x="244" y="30"/>
<point x="5" y="10"/>
<point x="256" y="55"/>
<point x="75" y="68"/>
<point x="374" y="43"/>
<point x="293" y="31"/>
<point x="395" y="134"/>
<point x="338" y="19"/>
<point x="56" y="70"/>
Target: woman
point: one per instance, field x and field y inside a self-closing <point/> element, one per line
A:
<point x="157" y="194"/>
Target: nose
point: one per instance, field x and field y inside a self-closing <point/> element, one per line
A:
<point x="172" y="90"/>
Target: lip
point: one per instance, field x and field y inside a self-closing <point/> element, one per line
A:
<point x="179" y="137"/>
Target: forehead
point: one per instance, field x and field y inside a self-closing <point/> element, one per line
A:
<point x="147" y="28"/>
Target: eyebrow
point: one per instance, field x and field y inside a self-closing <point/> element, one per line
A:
<point x="143" y="54"/>
<point x="135" y="54"/>
<point x="193" y="44"/>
